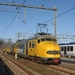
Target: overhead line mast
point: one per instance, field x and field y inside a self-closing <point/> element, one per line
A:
<point x="36" y="7"/>
<point x="27" y="6"/>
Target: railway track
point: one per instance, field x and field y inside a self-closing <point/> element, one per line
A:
<point x="25" y="69"/>
<point x="60" y="69"/>
<point x="4" y="69"/>
<point x="68" y="60"/>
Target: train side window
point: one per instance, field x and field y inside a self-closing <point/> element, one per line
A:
<point x="33" y="44"/>
<point x="61" y="48"/>
<point x="67" y="48"/>
<point x="29" y="44"/>
<point x="22" y="46"/>
<point x="16" y="46"/>
<point x="71" y="48"/>
<point x="38" y="40"/>
<point x="54" y="40"/>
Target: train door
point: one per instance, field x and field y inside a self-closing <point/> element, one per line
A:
<point x="26" y="47"/>
<point x="65" y="52"/>
<point x="61" y="47"/>
<point x="33" y="47"/>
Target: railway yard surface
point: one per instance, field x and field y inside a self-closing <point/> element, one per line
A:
<point x="4" y="69"/>
<point x="68" y="58"/>
<point x="23" y="66"/>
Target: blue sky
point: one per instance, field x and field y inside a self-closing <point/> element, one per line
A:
<point x="65" y="22"/>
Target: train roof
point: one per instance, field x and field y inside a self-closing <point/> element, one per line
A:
<point x="71" y="43"/>
<point x="39" y="35"/>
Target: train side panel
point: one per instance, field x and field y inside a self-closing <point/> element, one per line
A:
<point x="8" y="49"/>
<point x="31" y="47"/>
<point x="16" y="48"/>
<point x="25" y="49"/>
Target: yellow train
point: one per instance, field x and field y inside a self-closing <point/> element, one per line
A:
<point x="41" y="48"/>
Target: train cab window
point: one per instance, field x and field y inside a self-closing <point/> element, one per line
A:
<point x="71" y="48"/>
<point x="33" y="44"/>
<point x="54" y="40"/>
<point x="42" y="39"/>
<point x="38" y="40"/>
<point x="49" y="39"/>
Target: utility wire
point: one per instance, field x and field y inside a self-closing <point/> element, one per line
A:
<point x="28" y="21"/>
<point x="46" y="2"/>
<point x="45" y="22"/>
<point x="6" y="19"/>
<point x="56" y="17"/>
<point x="32" y="29"/>
<point x="13" y="19"/>
<point x="31" y="18"/>
<point x="61" y="14"/>
<point x="5" y="23"/>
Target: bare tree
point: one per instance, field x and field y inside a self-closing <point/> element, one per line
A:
<point x="1" y="42"/>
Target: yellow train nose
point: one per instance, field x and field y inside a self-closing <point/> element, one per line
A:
<point x="52" y="47"/>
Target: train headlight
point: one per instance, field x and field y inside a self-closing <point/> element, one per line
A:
<point x="59" y="52"/>
<point x="53" y="52"/>
<point x="49" y="52"/>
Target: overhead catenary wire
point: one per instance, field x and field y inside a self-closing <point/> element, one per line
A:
<point x="67" y="24"/>
<point x="5" y="10"/>
<point x="34" y="14"/>
<point x="28" y="22"/>
<point x="1" y="3"/>
<point x="5" y="23"/>
<point x="57" y="16"/>
<point x="13" y="19"/>
<point x="46" y="2"/>
<point x="61" y="14"/>
<point x="46" y="21"/>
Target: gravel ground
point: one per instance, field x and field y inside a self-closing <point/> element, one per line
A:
<point x="33" y="67"/>
<point x="15" y="69"/>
